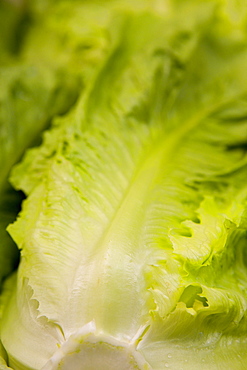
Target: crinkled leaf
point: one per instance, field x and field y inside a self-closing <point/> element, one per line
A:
<point x="135" y="217"/>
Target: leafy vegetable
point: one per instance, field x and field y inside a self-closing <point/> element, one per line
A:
<point x="34" y="88"/>
<point x="133" y="233"/>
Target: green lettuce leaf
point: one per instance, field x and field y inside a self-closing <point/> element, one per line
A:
<point x="39" y="79"/>
<point x="133" y="233"/>
<point x="5" y="294"/>
<point x="29" y="98"/>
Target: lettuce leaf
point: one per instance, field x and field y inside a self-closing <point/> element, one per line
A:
<point x="39" y="80"/>
<point x="133" y="233"/>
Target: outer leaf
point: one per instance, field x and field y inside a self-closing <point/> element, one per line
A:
<point x="133" y="234"/>
<point x="3" y="299"/>
<point x="37" y="82"/>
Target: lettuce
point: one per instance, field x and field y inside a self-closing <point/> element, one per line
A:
<point x="35" y="87"/>
<point x="133" y="232"/>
